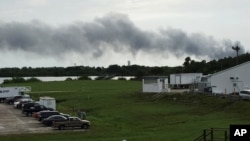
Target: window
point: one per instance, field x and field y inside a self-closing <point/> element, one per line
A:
<point x="245" y="92"/>
<point x="203" y="79"/>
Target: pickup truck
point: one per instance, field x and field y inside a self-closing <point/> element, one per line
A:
<point x="37" y="108"/>
<point x="71" y="122"/>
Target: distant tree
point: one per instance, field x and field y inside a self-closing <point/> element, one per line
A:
<point x="7" y="81"/>
<point x="33" y="79"/>
<point x="187" y="61"/>
<point x="18" y="80"/>
<point x="14" y="80"/>
<point x="114" y="70"/>
<point x="189" y="65"/>
<point x="157" y="71"/>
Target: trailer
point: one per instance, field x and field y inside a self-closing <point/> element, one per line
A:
<point x="184" y="80"/>
<point x="48" y="102"/>
<point x="7" y="92"/>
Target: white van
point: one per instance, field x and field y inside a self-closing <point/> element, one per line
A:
<point x="245" y="94"/>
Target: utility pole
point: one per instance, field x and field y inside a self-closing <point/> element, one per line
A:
<point x="236" y="48"/>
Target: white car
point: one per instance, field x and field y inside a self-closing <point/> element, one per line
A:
<point x="245" y="94"/>
<point x="18" y="103"/>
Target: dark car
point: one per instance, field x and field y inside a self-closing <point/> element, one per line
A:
<point x="33" y="109"/>
<point x="48" y="121"/>
<point x="28" y="105"/>
<point x="11" y="100"/>
<point x="15" y="98"/>
<point x="45" y="114"/>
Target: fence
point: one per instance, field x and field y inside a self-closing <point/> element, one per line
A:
<point x="214" y="134"/>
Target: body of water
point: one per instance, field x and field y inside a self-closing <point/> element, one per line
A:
<point x="63" y="78"/>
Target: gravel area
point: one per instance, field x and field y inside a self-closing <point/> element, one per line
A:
<point x="12" y="121"/>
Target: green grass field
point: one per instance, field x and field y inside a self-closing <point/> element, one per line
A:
<point x="118" y="110"/>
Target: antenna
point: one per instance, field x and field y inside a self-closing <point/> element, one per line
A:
<point x="236" y="48"/>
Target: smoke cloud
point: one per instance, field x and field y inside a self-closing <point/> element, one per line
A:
<point x="112" y="32"/>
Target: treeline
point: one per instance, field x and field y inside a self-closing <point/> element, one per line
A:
<point x="20" y="80"/>
<point x="188" y="66"/>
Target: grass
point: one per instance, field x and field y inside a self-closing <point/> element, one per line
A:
<point x="118" y="110"/>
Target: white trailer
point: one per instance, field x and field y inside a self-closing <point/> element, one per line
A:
<point x="183" y="80"/>
<point x="48" y="102"/>
<point x="6" y="92"/>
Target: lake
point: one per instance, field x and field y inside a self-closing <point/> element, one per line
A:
<point x="62" y="78"/>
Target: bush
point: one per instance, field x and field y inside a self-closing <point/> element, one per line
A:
<point x="20" y="80"/>
<point x="33" y="79"/>
<point x="121" y="78"/>
<point x="104" y="78"/>
<point x="7" y="81"/>
<point x="68" y="79"/>
<point x="84" y="78"/>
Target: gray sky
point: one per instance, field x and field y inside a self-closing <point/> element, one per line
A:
<point x="45" y="33"/>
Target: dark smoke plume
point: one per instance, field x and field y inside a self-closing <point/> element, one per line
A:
<point x="112" y="32"/>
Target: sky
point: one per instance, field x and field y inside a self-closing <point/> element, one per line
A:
<point x="61" y="33"/>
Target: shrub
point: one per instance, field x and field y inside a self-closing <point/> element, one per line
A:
<point x="68" y="79"/>
<point x="33" y="79"/>
<point x="121" y="78"/>
<point x="84" y="78"/>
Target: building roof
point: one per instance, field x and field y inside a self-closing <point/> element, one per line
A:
<point x="230" y="68"/>
<point x="156" y="77"/>
<point x="185" y="73"/>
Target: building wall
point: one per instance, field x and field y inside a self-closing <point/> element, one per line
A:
<point x="155" y="85"/>
<point x="231" y="80"/>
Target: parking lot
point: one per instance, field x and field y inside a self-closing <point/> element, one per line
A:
<point x="13" y="122"/>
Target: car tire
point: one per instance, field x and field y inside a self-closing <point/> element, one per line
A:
<point x="61" y="127"/>
<point x="49" y="124"/>
<point x="85" y="126"/>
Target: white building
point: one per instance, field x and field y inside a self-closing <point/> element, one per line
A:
<point x="155" y="84"/>
<point x="231" y="80"/>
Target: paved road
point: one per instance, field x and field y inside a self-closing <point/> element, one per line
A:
<point x="13" y="122"/>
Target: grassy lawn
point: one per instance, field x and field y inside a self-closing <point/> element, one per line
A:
<point x="118" y="110"/>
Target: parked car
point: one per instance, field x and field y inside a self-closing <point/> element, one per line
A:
<point x="36" y="114"/>
<point x="45" y="114"/>
<point x="71" y="122"/>
<point x="65" y="115"/>
<point x="54" y="118"/>
<point x="15" y="98"/>
<point x="245" y="94"/>
<point x="18" y="103"/>
<point x="28" y="105"/>
<point x="37" y="108"/>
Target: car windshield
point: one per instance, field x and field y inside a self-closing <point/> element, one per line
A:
<point x="245" y="92"/>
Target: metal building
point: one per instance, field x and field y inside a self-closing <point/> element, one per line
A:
<point x="229" y="81"/>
